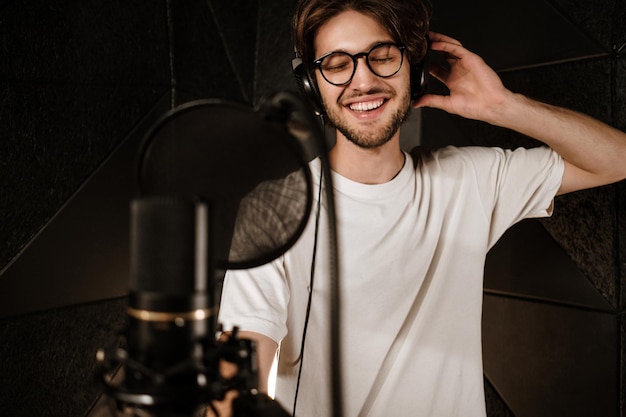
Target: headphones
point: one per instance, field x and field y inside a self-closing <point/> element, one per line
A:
<point x="308" y="87"/>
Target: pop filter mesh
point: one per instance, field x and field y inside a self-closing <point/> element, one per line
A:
<point x="252" y="171"/>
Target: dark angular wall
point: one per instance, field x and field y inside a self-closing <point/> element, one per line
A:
<point x="75" y="77"/>
<point x="80" y="84"/>
<point x="69" y="95"/>
<point x="82" y="81"/>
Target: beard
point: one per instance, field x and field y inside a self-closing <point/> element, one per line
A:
<point x="373" y="137"/>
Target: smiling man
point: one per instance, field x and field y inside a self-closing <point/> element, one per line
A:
<point x="370" y="112"/>
<point x="413" y="228"/>
<point x="367" y="109"/>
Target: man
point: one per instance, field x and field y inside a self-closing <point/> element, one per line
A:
<point x="413" y="229"/>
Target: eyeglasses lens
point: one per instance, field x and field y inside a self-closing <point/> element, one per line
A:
<point x="383" y="60"/>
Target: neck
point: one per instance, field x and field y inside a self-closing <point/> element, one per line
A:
<point x="367" y="165"/>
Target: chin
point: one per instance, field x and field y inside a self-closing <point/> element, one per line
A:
<point x="373" y="137"/>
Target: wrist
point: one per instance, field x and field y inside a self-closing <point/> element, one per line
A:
<point x="508" y="110"/>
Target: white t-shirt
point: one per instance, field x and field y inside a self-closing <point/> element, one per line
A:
<point x="411" y="261"/>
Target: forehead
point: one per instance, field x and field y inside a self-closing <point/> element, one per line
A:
<point x="349" y="31"/>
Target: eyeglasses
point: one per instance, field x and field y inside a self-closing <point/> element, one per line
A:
<point x="384" y="60"/>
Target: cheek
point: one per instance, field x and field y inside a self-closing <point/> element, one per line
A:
<point x="404" y="80"/>
<point x="327" y="91"/>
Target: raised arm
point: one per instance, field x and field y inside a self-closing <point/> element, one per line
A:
<point x="594" y="153"/>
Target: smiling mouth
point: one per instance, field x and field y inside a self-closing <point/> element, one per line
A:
<point x="366" y="106"/>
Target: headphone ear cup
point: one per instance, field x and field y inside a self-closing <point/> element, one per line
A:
<point x="306" y="85"/>
<point x="419" y="77"/>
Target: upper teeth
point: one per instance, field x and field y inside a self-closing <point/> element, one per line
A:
<point x="364" y="106"/>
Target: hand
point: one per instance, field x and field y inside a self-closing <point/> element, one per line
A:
<point x="476" y="91"/>
<point x="223" y="408"/>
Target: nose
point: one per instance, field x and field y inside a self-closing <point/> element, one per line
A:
<point x="363" y="77"/>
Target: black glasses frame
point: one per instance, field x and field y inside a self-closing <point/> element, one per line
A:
<point x="318" y="62"/>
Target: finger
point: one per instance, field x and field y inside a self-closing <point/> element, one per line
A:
<point x="223" y="408"/>
<point x="455" y="49"/>
<point x="439" y="72"/>
<point x="452" y="53"/>
<point x="228" y="369"/>
<point x="432" y="101"/>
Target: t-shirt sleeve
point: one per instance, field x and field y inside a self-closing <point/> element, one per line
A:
<point x="515" y="184"/>
<point x="256" y="300"/>
<point x="269" y="217"/>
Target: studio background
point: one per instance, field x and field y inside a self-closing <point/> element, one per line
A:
<point x="81" y="82"/>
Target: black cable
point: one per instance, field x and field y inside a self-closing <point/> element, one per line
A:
<point x="308" y="306"/>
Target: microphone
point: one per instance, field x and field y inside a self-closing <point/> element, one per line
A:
<point x="169" y="356"/>
<point x="170" y="306"/>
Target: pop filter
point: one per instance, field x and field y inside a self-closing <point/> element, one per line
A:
<point x="220" y="185"/>
<point x="246" y="163"/>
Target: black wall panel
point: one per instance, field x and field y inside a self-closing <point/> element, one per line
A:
<point x="73" y="83"/>
<point x="208" y="55"/>
<point x="48" y="360"/>
<point x="550" y="360"/>
<point x="81" y="81"/>
<point x="275" y="49"/>
<point x="81" y="84"/>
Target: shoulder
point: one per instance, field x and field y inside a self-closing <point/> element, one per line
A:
<point x="452" y="159"/>
<point x="478" y="155"/>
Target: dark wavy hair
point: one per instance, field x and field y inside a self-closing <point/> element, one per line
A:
<point x="406" y="20"/>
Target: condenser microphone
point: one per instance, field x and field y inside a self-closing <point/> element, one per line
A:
<point x="170" y="331"/>
<point x="169" y="356"/>
<point x="170" y="308"/>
